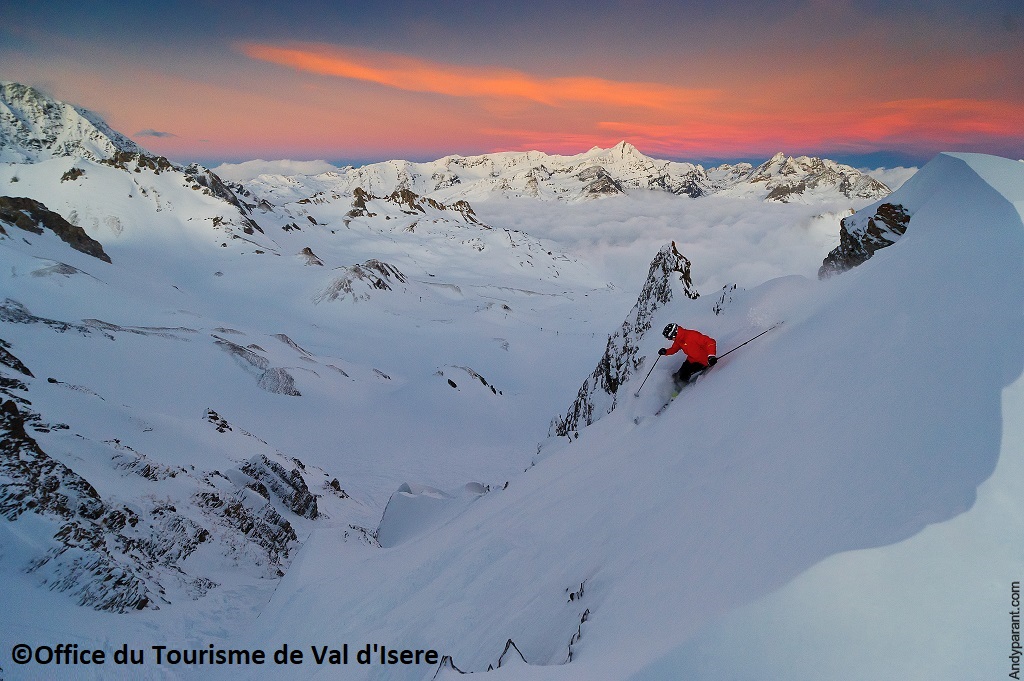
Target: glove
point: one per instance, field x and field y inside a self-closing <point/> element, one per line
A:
<point x="661" y="351"/>
<point x="712" y="361"/>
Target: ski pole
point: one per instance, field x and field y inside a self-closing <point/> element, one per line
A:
<point x="742" y="344"/>
<point x="637" y="393"/>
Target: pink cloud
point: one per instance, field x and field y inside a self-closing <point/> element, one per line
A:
<point x="420" y="75"/>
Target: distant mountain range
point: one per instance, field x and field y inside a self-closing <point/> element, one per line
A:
<point x="34" y="127"/>
<point x="593" y="174"/>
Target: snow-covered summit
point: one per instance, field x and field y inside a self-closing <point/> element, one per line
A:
<point x="35" y="127"/>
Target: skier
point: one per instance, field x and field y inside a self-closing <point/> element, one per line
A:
<point x="700" y="352"/>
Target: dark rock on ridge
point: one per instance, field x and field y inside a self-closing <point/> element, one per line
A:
<point x="32" y="216"/>
<point x="859" y="239"/>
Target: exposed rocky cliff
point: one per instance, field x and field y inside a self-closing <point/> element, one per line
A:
<point x="119" y="556"/>
<point x="160" y="532"/>
<point x="668" y="278"/>
<point x="864" y="233"/>
<point x="358" y="281"/>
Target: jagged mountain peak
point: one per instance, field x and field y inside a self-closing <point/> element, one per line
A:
<point x="35" y="127"/>
<point x="668" y="279"/>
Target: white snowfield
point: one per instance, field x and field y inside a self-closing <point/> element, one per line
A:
<point x="837" y="500"/>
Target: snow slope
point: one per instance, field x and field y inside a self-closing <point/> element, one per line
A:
<point x="936" y="606"/>
<point x="860" y="422"/>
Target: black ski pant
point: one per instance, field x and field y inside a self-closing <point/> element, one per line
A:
<point x="686" y="372"/>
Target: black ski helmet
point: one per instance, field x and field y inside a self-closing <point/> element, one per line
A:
<point x="670" y="331"/>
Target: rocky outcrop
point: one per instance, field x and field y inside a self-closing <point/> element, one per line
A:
<point x="32" y="216"/>
<point x="214" y="186"/>
<point x="34" y="481"/>
<point x="359" y="209"/>
<point x="864" y="233"/>
<point x="310" y="257"/>
<point x="136" y="161"/>
<point x="598" y="182"/>
<point x="278" y="380"/>
<point x="263" y="527"/>
<point x="122" y="557"/>
<point x="668" y="277"/>
<point x="358" y="281"/>
<point x="9" y="360"/>
<point x="81" y="560"/>
<point x="408" y="201"/>
<point x="446" y="372"/>
<point x="285" y="484"/>
<point x="272" y="379"/>
<point x="72" y="175"/>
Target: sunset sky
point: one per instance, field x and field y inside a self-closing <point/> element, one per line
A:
<point x="881" y="82"/>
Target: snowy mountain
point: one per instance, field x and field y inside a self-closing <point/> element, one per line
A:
<point x="797" y="179"/>
<point x="318" y="413"/>
<point x="593" y="174"/>
<point x="34" y="127"/>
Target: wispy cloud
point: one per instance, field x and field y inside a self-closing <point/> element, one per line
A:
<point x="801" y="108"/>
<point x="421" y="75"/>
<point x="149" y="132"/>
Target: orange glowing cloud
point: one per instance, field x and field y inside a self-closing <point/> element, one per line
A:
<point x="949" y="117"/>
<point x="420" y="75"/>
<point x="801" y="107"/>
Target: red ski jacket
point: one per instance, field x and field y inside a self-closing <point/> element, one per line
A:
<point x="696" y="345"/>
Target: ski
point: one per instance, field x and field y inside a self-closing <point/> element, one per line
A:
<point x="686" y="385"/>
